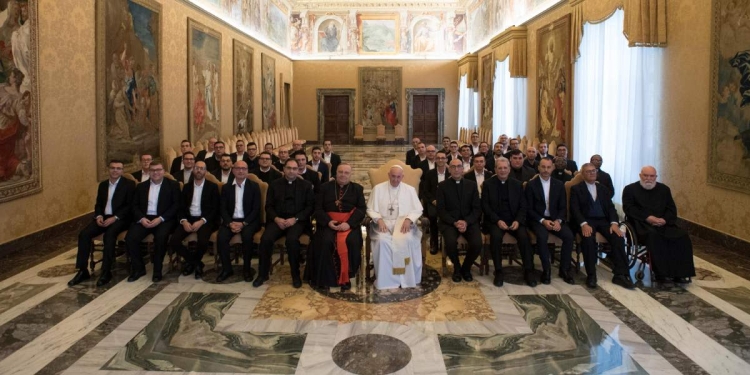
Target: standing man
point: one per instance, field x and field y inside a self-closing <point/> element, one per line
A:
<point x="203" y="154"/>
<point x="513" y="146"/>
<point x="411" y="154"/>
<point x="478" y="173"/>
<point x="546" y="204"/>
<point x="199" y="214"/>
<point x="143" y="174"/>
<point x="465" y="157"/>
<point x="112" y="213"/>
<point x="649" y="206"/>
<point x="474" y="143"/>
<point x="289" y="205"/>
<point x="305" y="172"/>
<point x="517" y="170"/>
<point x="188" y="163"/>
<point x="155" y="207"/>
<point x="504" y="207"/>
<point x="446" y="145"/>
<point x="560" y="173"/>
<point x="269" y="149"/>
<point x="503" y="140"/>
<point x="339" y="210"/>
<point x="283" y="157"/>
<point x="395" y="238"/>
<point x="318" y="165"/>
<point x="224" y="172"/>
<point x="264" y="171"/>
<point x="489" y="160"/>
<point x="297" y="146"/>
<point x="428" y="163"/>
<point x="543" y="147"/>
<point x="240" y="214"/>
<point x="570" y="165"/>
<point x="330" y="157"/>
<point x="428" y="194"/>
<point x="454" y="154"/>
<point x="531" y="160"/>
<point x="421" y="156"/>
<point x="459" y="212"/>
<point x="177" y="166"/>
<point x="252" y="155"/>
<point x="240" y="155"/>
<point x="603" y="177"/>
<point x="213" y="162"/>
<point x="593" y="211"/>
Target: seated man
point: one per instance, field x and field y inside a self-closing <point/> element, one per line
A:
<point x="213" y="162"/>
<point x="459" y="212"/>
<point x="570" y="165"/>
<point x="269" y="149"/>
<point x="649" y="206"/>
<point x="542" y="152"/>
<point x="478" y="173"/>
<point x="283" y="156"/>
<point x="318" y="165"/>
<point x="224" y="172"/>
<point x="339" y="210"/>
<point x="428" y="194"/>
<point x="264" y="171"/>
<point x="592" y="210"/>
<point x="306" y="173"/>
<point x="297" y="146"/>
<point x="240" y="214"/>
<point x="112" y="213"/>
<point x="603" y="177"/>
<point x="531" y="160"/>
<point x="504" y="207"/>
<point x="185" y="175"/>
<point x="199" y="214"/>
<point x="560" y="173"/>
<point x="155" y="207"/>
<point x="177" y="165"/>
<point x="142" y="174"/>
<point x="517" y="170"/>
<point x="289" y="204"/>
<point x="546" y="210"/>
<point x="396" y="240"/>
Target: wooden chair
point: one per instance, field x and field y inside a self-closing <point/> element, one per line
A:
<point x="400" y="137"/>
<point x="96" y="246"/>
<point x="380" y="134"/>
<point x="359" y="133"/>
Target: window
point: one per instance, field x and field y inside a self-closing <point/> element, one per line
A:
<point x="509" y="103"/>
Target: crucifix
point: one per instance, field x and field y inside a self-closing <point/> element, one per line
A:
<point x="390" y="210"/>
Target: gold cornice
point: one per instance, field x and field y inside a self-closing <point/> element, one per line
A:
<point x="516" y="32"/>
<point x="575" y="2"/>
<point x="468" y="58"/>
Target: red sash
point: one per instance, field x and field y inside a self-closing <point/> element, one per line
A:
<point x="340" y="244"/>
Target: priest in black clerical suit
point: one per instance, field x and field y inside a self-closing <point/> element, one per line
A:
<point x="459" y="211"/>
<point x="547" y="213"/>
<point x="340" y="207"/>
<point x="504" y="207"/>
<point x="264" y="171"/>
<point x="592" y="212"/>
<point x="650" y="208"/>
<point x="289" y="205"/>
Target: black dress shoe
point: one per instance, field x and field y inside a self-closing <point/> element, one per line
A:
<point x="198" y="273"/>
<point x="498" y="281"/>
<point x="591" y="282"/>
<point x="433" y="248"/>
<point x="223" y="275"/>
<point x="456" y="278"/>
<point x="546" y="277"/>
<point x="467" y="277"/>
<point x="297" y="283"/>
<point x="247" y="276"/>
<point x="682" y="280"/>
<point x="81" y="275"/>
<point x="660" y="279"/>
<point x="188" y="269"/>
<point x="259" y="281"/>
<point x="623" y="281"/>
<point x="567" y="277"/>
<point x="345" y="287"/>
<point x="529" y="278"/>
<point x="156" y="278"/>
<point x="135" y="275"/>
<point x="104" y="279"/>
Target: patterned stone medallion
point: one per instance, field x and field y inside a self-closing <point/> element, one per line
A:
<point x="57" y="271"/>
<point x="430" y="281"/>
<point x="371" y="354"/>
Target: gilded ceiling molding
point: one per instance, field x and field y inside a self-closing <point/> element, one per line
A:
<point x="379" y="5"/>
<point x="469" y="65"/>
<point x="512" y="42"/>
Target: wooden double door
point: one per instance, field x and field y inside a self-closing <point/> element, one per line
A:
<point x="336" y="118"/>
<point x="425" y="118"/>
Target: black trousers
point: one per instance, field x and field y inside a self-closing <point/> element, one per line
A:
<point x="473" y="236"/>
<point x="138" y="232"/>
<point x="542" y="234"/>
<point x="273" y="233"/>
<point x="524" y="245"/>
<point x="225" y="235"/>
<point x="110" y="242"/>
<point x="616" y="243"/>
<point x="325" y="264"/>
<point x="203" y="234"/>
<point x="432" y="215"/>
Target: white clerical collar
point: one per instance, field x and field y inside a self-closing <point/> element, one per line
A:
<point x="503" y="181"/>
<point x="288" y="181"/>
<point x="267" y="169"/>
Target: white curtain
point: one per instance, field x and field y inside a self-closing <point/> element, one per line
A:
<point x="508" y="102"/>
<point x="468" y="105"/>
<point x="618" y="93"/>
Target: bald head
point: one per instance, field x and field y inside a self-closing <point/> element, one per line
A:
<point x="648" y="177"/>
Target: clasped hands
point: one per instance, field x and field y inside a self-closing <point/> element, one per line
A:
<point x="190" y="228"/>
<point x="105" y="223"/>
<point x="285" y="223"/>
<point x="150" y="223"/>
<point x="460" y="225"/>
<point x="656" y="221"/>
<point x="587" y="230"/>
<point x="338" y="226"/>
<point x="552" y="225"/>
<point x="502" y="225"/>
<point x="405" y="227"/>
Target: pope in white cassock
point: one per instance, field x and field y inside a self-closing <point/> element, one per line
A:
<point x="396" y="240"/>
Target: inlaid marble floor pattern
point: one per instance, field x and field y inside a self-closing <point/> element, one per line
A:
<point x="182" y="325"/>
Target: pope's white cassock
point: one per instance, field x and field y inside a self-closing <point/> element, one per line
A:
<point x="397" y="256"/>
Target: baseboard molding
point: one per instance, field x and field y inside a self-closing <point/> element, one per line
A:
<point x="714" y="236"/>
<point x="73" y="225"/>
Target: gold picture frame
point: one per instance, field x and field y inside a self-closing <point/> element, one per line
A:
<point x="379" y="34"/>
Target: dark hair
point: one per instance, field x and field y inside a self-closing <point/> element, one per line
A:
<point x="516" y="152"/>
<point x="240" y="140"/>
<point x="115" y="161"/>
<point x="189" y="152"/>
<point x="317" y="148"/>
<point x="226" y="156"/>
<point x="300" y="152"/>
<point x="480" y="155"/>
<point x="474" y="133"/>
<point x="183" y="141"/>
<point x="452" y="142"/>
<point x="157" y="162"/>
<point x="145" y="154"/>
<point x="448" y="138"/>
<point x="465" y="146"/>
<point x="251" y="144"/>
<point x="441" y="152"/>
<point x="266" y="153"/>
<point x="289" y="161"/>
<point x="562" y="145"/>
<point x="480" y="143"/>
<point x="217" y="142"/>
<point x="269" y="143"/>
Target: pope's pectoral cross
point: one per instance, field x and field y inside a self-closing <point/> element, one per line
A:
<point x="390" y="210"/>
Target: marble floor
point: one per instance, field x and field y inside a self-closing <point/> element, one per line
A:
<point x="182" y="325"/>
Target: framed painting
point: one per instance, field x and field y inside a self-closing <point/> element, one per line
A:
<point x="20" y="164"/>
<point x="204" y="81"/>
<point x="378" y="34"/>
<point x="128" y="92"/>
<point x="488" y="79"/>
<point x="380" y="91"/>
<point x="329" y="36"/>
<point x="554" y="82"/>
<point x="243" y="87"/>
<point x="268" y="90"/>
<point x="277" y="24"/>
<point x="729" y="147"/>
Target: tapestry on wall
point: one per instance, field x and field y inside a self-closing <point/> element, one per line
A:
<point x="380" y="90"/>
<point x="554" y="82"/>
<point x="204" y="81"/>
<point x="268" y="90"/>
<point x="488" y="75"/>
<point x="128" y="94"/>
<point x="729" y="148"/>
<point x="243" y="88"/>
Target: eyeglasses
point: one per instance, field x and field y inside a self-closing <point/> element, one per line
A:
<point x="265" y="158"/>
<point x="157" y="170"/>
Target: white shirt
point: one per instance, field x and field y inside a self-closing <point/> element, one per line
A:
<point x="240" y="156"/>
<point x="110" y="194"/>
<point x="327" y="157"/>
<point x="145" y="176"/>
<point x="480" y="181"/>
<point x="225" y="177"/>
<point x="430" y="165"/>
<point x="186" y="175"/>
<point x="474" y="149"/>
<point x="441" y="176"/>
<point x="195" y="204"/>
<point x="239" y="192"/>
<point x="592" y="190"/>
<point x="208" y="155"/>
<point x="545" y="187"/>
<point x="467" y="165"/>
<point x="153" y="198"/>
<point x="315" y="165"/>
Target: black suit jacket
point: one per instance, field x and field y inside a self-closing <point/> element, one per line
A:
<point x="168" y="205"/>
<point x="489" y="162"/>
<point x="527" y="164"/>
<point x="121" y="199"/>
<point x="526" y="174"/>
<point x="209" y="201"/>
<point x="535" y="202"/>
<point x="580" y="203"/>
<point x="411" y="154"/>
<point x="304" y="199"/>
<point x="271" y="175"/>
<point x="250" y="203"/>
<point x="453" y="207"/>
<point x="233" y="155"/>
<point x="212" y="163"/>
<point x="424" y="165"/>
<point x="415" y="161"/>
<point x="138" y="175"/>
<point x="327" y="195"/>
<point x="325" y="174"/>
<point x="429" y="185"/>
<point x="312" y="177"/>
<point x="335" y="162"/>
<point x="217" y="174"/>
<point x="176" y="166"/>
<point x="572" y="166"/>
<point x="201" y="155"/>
<point x="605" y="179"/>
<point x="473" y="177"/>
<point x="549" y="156"/>
<point x="491" y="201"/>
